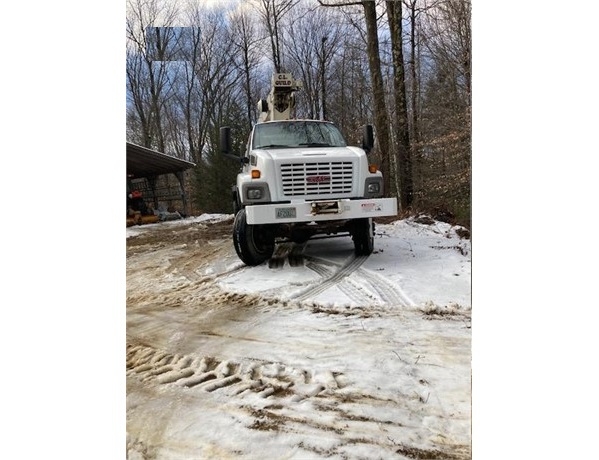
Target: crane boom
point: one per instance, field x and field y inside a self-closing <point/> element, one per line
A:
<point x="280" y="100"/>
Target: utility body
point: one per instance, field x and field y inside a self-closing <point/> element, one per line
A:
<point x="300" y="179"/>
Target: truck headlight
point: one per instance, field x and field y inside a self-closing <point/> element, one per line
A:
<point x="374" y="187"/>
<point x="255" y="193"/>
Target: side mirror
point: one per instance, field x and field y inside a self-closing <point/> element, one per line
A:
<point x="226" y="146"/>
<point x="367" y="138"/>
<point x="225" y="140"/>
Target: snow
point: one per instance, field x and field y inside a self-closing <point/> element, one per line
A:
<point x="439" y="268"/>
<point x="533" y="345"/>
<point x="436" y="271"/>
<point x="366" y="365"/>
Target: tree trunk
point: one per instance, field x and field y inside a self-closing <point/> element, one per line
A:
<point x="404" y="161"/>
<point x="381" y="117"/>
<point x="415" y="135"/>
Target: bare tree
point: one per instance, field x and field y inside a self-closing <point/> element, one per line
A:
<point x="147" y="66"/>
<point x="448" y="40"/>
<point x="381" y="115"/>
<point x="350" y="101"/>
<point x="246" y="40"/>
<point x="312" y="38"/>
<point x="403" y="154"/>
<point x="271" y="13"/>
<point x="415" y="9"/>
<point x="446" y="110"/>
<point x="209" y="75"/>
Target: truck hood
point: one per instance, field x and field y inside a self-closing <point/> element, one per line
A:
<point x="304" y="153"/>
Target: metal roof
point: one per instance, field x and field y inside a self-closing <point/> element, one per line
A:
<point x="144" y="162"/>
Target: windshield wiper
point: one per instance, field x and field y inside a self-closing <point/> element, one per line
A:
<point x="315" y="144"/>
<point x="272" y="146"/>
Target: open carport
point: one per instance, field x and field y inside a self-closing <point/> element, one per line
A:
<point x="147" y="172"/>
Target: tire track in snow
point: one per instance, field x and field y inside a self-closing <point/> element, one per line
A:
<point x="354" y="292"/>
<point x="382" y="427"/>
<point x="389" y="292"/>
<point x="333" y="280"/>
<point x="236" y="379"/>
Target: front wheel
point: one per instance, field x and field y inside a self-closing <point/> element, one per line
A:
<point x="363" y="236"/>
<point x="254" y="244"/>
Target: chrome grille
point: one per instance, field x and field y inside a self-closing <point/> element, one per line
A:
<point x="321" y="178"/>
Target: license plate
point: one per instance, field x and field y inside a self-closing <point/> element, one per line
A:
<point x="286" y="213"/>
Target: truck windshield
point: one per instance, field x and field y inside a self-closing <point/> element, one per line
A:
<point x="289" y="134"/>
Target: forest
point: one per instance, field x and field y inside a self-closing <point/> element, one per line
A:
<point x="403" y="66"/>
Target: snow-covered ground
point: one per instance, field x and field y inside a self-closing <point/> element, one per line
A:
<point x="65" y="391"/>
<point x="340" y="357"/>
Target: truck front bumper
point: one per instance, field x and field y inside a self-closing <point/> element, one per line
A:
<point x="323" y="210"/>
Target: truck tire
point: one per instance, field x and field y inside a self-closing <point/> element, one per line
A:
<point x="363" y="236"/>
<point x="254" y="244"/>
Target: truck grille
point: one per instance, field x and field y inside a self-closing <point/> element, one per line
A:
<point x="322" y="178"/>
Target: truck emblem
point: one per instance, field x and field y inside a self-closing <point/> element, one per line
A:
<point x="318" y="179"/>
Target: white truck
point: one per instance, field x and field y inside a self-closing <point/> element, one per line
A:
<point x="300" y="179"/>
